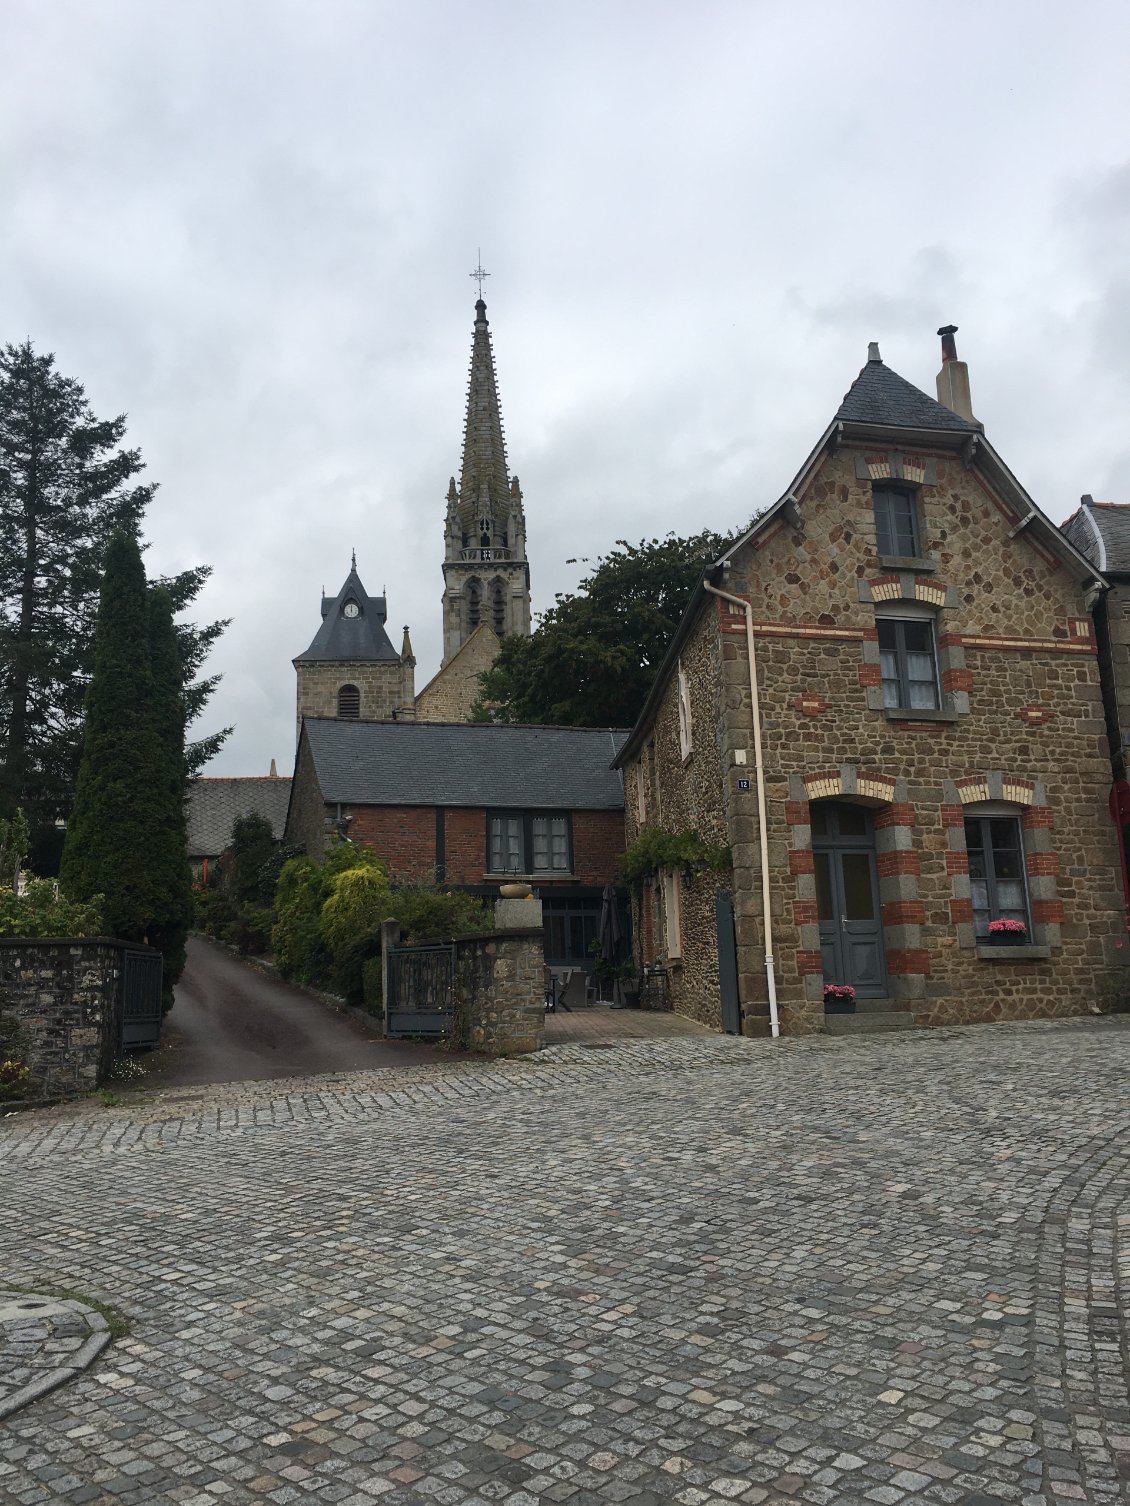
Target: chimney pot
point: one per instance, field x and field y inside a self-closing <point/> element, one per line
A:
<point x="949" y="344"/>
<point x="953" y="379"/>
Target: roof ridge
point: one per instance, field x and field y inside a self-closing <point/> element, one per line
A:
<point x="354" y="721"/>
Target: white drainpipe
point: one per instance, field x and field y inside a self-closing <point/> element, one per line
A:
<point x="759" y="777"/>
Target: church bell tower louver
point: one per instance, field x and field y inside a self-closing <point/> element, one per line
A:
<point x="486" y="576"/>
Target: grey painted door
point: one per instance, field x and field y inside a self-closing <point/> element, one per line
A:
<point x="847" y="897"/>
<point x="727" y="963"/>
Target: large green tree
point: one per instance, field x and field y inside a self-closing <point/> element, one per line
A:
<point x="67" y="483"/>
<point x="593" y="655"/>
<point x="123" y="838"/>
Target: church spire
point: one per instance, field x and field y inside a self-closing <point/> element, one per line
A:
<point x="484" y="476"/>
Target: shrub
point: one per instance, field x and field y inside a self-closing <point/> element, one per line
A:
<point x="297" y="935"/>
<point x="15" y="1080"/>
<point x="431" y="914"/>
<point x="212" y="910"/>
<point x="252" y="847"/>
<point x="43" y="910"/>
<point x="372" y="985"/>
<point x="359" y="900"/>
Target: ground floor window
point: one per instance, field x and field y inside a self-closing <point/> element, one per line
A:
<point x="522" y="842"/>
<point x="996" y="872"/>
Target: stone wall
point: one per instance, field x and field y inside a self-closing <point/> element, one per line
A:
<point x="386" y="686"/>
<point x="449" y="696"/>
<point x="66" y="995"/>
<point x="680" y="795"/>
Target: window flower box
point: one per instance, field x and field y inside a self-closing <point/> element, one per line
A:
<point x="839" y="998"/>
<point x="1007" y="933"/>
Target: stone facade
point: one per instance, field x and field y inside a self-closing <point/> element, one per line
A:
<point x="450" y="695"/>
<point x="500" y="992"/>
<point x="66" y="994"/>
<point x="1019" y="734"/>
<point x="387" y="689"/>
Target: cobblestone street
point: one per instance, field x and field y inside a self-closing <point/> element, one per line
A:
<point x="697" y="1270"/>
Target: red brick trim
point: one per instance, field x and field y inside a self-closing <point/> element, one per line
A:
<point x="900" y="814"/>
<point x="1048" y="911"/>
<point x="957" y="679"/>
<point x="810" y="704"/>
<point x="805" y="912"/>
<point x="957" y="862"/>
<point x="910" y="960"/>
<point x="1037" y="816"/>
<point x="1043" y="864"/>
<point x="809" y="962"/>
<point x="961" y="911"/>
<point x="953" y="815"/>
<point x="801" y="860"/>
<point x="1035" y="716"/>
<point x="870" y="675"/>
<point x="904" y="912"/>
<point x="898" y="864"/>
<point x="796" y="812"/>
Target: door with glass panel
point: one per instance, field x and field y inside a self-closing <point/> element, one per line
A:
<point x="847" y="897"/>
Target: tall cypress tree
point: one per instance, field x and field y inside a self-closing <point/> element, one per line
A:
<point x="118" y="800"/>
<point x="168" y="845"/>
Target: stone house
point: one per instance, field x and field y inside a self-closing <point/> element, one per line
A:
<point x="215" y="804"/>
<point x="885" y="698"/>
<point x="472" y="806"/>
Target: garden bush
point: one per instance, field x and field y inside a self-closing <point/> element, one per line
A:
<point x="43" y="910"/>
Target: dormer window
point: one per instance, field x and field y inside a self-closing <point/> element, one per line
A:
<point x="896" y="522"/>
<point x="351" y="609"/>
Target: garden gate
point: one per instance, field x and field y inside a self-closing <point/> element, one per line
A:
<point x="420" y="998"/>
<point x="141" y="998"/>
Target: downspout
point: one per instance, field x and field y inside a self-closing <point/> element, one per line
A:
<point x="759" y="777"/>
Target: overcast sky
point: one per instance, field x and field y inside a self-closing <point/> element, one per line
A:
<point x="249" y="224"/>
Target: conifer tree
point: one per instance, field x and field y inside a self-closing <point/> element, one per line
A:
<point x="168" y="849"/>
<point x="67" y="482"/>
<point x="118" y="805"/>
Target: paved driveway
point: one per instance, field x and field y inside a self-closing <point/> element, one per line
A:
<point x="702" y="1271"/>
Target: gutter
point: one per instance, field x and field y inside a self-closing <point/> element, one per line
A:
<point x="759" y="775"/>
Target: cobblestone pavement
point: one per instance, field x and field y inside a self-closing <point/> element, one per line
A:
<point x="45" y="1341"/>
<point x="600" y="1023"/>
<point x="873" y="1270"/>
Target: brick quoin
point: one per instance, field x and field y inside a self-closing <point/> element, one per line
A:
<point x="796" y="812"/>
<point x="957" y="679"/>
<point x="805" y="912"/>
<point x="1048" y="911"/>
<point x="899" y="814"/>
<point x="904" y="912"/>
<point x="1042" y="864"/>
<point x="910" y="960"/>
<point x="957" y="862"/>
<point x="870" y="674"/>
<point x="961" y="911"/>
<point x="802" y="860"/>
<point x="953" y="815"/>
<point x="809" y="962"/>
<point x="1037" y="816"/>
<point x="898" y="864"/>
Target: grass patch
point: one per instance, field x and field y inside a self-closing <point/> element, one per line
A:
<point x="116" y="1321"/>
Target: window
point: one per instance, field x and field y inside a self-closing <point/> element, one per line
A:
<point x="474" y="604"/>
<point x="685" y="743"/>
<point x="996" y="871"/>
<point x="348" y="701"/>
<point x="672" y="913"/>
<point x="909" y="664"/>
<point x="525" y="842"/>
<point x="498" y="607"/>
<point x="896" y="522"/>
<point x="641" y="793"/>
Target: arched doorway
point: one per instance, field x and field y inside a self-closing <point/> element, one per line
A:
<point x="847" y="896"/>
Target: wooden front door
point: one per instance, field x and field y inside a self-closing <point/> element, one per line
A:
<point x="847" y="897"/>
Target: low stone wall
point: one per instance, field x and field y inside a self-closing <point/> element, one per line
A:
<point x="66" y="996"/>
<point x="500" y="991"/>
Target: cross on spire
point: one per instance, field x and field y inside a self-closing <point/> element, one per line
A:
<point x="479" y="274"/>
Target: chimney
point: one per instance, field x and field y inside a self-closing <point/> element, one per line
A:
<point x="953" y="379"/>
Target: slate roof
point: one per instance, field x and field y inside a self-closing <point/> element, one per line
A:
<point x="215" y="805"/>
<point x="451" y="764"/>
<point x="1101" y="531"/>
<point x="880" y="396"/>
<point x="361" y="638"/>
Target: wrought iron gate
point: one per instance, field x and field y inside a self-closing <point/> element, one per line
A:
<point x="420" y="999"/>
<point x="141" y="998"/>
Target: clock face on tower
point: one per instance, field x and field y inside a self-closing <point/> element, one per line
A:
<point x="351" y="609"/>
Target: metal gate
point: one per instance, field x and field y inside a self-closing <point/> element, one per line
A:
<point x="420" y="999"/>
<point x="141" y="998"/>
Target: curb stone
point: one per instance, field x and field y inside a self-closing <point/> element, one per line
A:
<point x="26" y="1308"/>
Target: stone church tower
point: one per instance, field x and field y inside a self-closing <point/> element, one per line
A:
<point x="486" y="577"/>
<point x="351" y="669"/>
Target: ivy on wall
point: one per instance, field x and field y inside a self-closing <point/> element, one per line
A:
<point x="653" y="850"/>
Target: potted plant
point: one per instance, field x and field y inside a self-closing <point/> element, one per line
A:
<point x="1007" y="933"/>
<point x="839" y="998"/>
